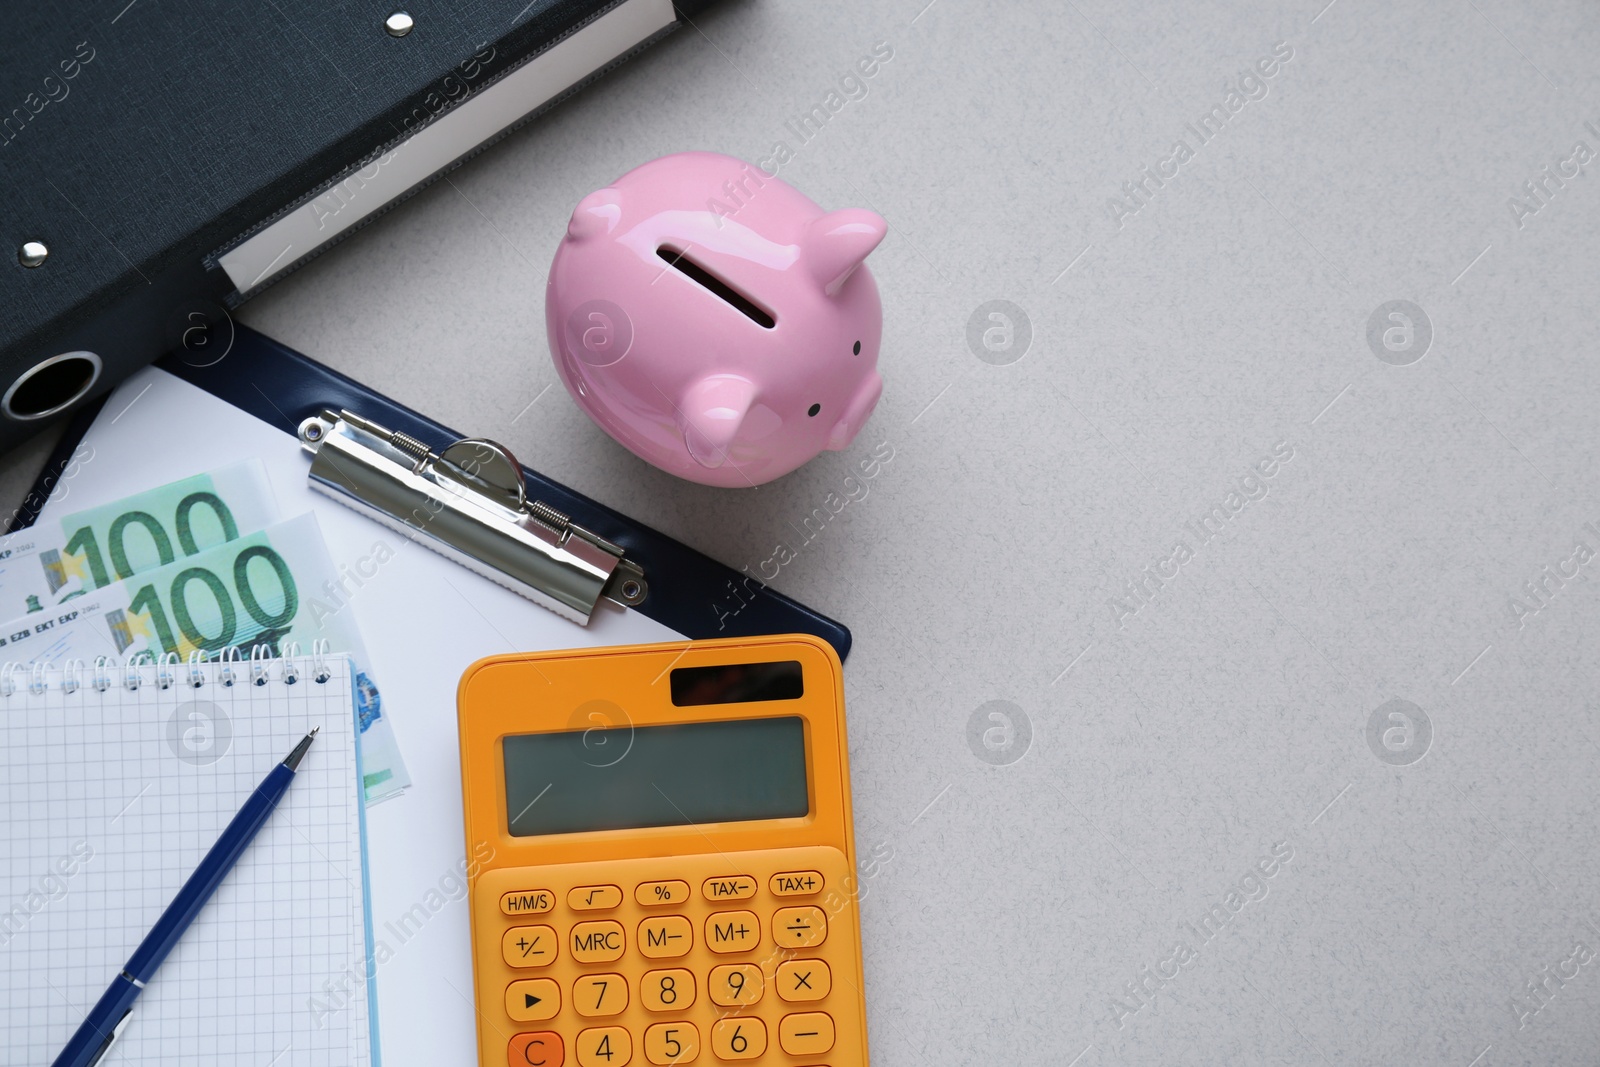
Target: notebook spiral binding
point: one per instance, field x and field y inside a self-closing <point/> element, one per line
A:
<point x="167" y="671"/>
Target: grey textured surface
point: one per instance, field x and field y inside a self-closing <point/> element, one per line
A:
<point x="1021" y="897"/>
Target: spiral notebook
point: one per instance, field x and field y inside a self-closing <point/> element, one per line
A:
<point x="116" y="780"/>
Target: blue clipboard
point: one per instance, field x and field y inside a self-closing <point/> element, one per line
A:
<point x="689" y="592"/>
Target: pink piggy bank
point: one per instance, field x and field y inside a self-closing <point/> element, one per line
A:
<point x="716" y="321"/>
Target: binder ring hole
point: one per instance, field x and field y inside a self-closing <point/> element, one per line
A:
<point x="51" y="386"/>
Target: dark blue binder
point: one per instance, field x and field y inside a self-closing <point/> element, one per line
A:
<point x="689" y="592"/>
<point x="126" y="246"/>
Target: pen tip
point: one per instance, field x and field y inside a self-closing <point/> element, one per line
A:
<point x="292" y="760"/>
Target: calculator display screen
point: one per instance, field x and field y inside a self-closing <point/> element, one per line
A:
<point x="634" y="777"/>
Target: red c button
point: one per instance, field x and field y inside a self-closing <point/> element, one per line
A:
<point x="542" y="1049"/>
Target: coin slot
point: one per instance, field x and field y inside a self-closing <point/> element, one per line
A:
<point x="680" y="261"/>
<point x="51" y="386"/>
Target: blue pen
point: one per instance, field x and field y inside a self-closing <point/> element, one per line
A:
<point x="107" y="1018"/>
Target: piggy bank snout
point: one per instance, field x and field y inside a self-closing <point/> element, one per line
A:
<point x="856" y="415"/>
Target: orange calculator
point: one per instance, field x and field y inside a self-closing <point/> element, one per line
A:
<point x="673" y="872"/>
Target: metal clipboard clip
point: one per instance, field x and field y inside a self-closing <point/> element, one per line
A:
<point x="469" y="503"/>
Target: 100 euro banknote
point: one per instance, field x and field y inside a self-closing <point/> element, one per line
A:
<point x="54" y="562"/>
<point x="258" y="590"/>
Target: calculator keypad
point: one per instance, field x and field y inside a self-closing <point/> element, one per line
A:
<point x="747" y="959"/>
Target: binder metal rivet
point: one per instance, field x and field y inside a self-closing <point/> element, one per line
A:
<point x="399" y="24"/>
<point x="468" y="502"/>
<point x="32" y="254"/>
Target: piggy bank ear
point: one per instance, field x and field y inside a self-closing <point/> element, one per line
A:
<point x="834" y="244"/>
<point x="710" y="414"/>
<point x="596" y="214"/>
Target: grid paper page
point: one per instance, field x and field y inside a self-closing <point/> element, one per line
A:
<point x="110" y="799"/>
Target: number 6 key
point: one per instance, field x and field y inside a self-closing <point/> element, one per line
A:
<point x="738" y="1038"/>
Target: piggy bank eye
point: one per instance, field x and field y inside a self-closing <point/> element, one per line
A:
<point x="814" y="409"/>
<point x="857" y="349"/>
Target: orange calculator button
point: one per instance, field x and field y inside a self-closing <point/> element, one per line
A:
<point x="729" y="887"/>
<point x="795" y="884"/>
<point x="597" y="942"/>
<point x="738" y="1038"/>
<point x="527" y="902"/>
<point x="543" y="1049"/>
<point x="799" y="927"/>
<point x="809" y="1033"/>
<point x="651" y="894"/>
<point x="604" y="1046"/>
<point x="529" y="946"/>
<point x="598" y="995"/>
<point x="803" y="979"/>
<point x="736" y="985"/>
<point x="671" y="1043"/>
<point x="671" y="989"/>
<point x="666" y="937"/>
<point x="732" y="931"/>
<point x="594" y="898"/>
<point x="533" y="1000"/>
